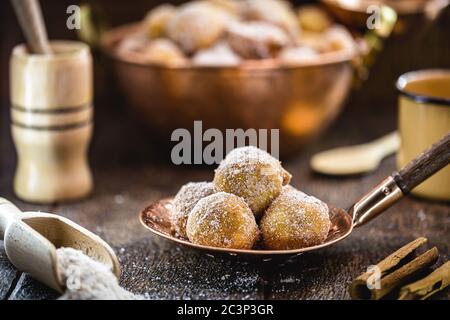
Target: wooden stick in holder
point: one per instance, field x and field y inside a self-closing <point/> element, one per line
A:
<point x="30" y="18"/>
<point x="52" y="114"/>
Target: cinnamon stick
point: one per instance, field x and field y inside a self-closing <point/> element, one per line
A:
<point x="393" y="271"/>
<point x="436" y="281"/>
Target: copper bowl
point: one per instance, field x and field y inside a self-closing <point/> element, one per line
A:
<point x="301" y="101"/>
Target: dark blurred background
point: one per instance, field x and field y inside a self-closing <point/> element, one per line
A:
<point x="424" y="45"/>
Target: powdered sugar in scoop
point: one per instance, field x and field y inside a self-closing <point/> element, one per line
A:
<point x="87" y="279"/>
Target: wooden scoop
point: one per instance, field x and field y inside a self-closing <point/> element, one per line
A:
<point x="31" y="239"/>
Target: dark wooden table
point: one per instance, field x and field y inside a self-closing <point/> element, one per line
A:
<point x="130" y="172"/>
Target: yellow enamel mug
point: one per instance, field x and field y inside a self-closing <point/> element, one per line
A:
<point x="424" y="117"/>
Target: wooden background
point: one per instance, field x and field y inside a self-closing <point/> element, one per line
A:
<point x="130" y="172"/>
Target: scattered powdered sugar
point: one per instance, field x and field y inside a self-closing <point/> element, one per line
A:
<point x="295" y="220"/>
<point x="87" y="279"/>
<point x="222" y="220"/>
<point x="252" y="174"/>
<point x="184" y="202"/>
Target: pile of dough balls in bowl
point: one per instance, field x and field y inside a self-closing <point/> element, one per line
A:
<point x="248" y="205"/>
<point x="230" y="32"/>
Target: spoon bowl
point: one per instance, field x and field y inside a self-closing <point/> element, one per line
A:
<point x="157" y="219"/>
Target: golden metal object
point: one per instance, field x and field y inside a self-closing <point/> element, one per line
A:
<point x="376" y="201"/>
<point x="355" y="13"/>
<point x="300" y="100"/>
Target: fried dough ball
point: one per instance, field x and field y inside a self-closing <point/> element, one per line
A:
<point x="197" y="25"/>
<point x="252" y="174"/>
<point x="312" y="18"/>
<point x="294" y="220"/>
<point x="256" y="40"/>
<point x="132" y="44"/>
<point x="155" y="22"/>
<point x="339" y="38"/>
<point x="184" y="202"/>
<point x="222" y="220"/>
<point x="219" y="55"/>
<point x="298" y="55"/>
<point x="163" y="52"/>
<point x="233" y="7"/>
<point x="277" y="12"/>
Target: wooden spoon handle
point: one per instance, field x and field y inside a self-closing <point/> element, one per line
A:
<point x="387" y="144"/>
<point x="30" y="18"/>
<point x="424" y="166"/>
<point x="8" y="213"/>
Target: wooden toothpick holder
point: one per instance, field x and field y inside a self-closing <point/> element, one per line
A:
<point x="52" y="114"/>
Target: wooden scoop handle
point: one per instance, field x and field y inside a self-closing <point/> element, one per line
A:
<point x="30" y="18"/>
<point x="8" y="213"/>
<point x="424" y="166"/>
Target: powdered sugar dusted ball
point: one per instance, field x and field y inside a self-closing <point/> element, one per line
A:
<point x="256" y="40"/>
<point x="222" y="220"/>
<point x="132" y="44"/>
<point x="234" y="7"/>
<point x="252" y="174"/>
<point x="218" y="55"/>
<point x="313" y="18"/>
<point x="339" y="38"/>
<point x="276" y="12"/>
<point x="298" y="55"/>
<point x="197" y="25"/>
<point x="156" y="20"/>
<point x="295" y="220"/>
<point x="163" y="52"/>
<point x="184" y="202"/>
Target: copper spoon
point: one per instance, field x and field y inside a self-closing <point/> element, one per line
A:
<point x="31" y="240"/>
<point x="156" y="217"/>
